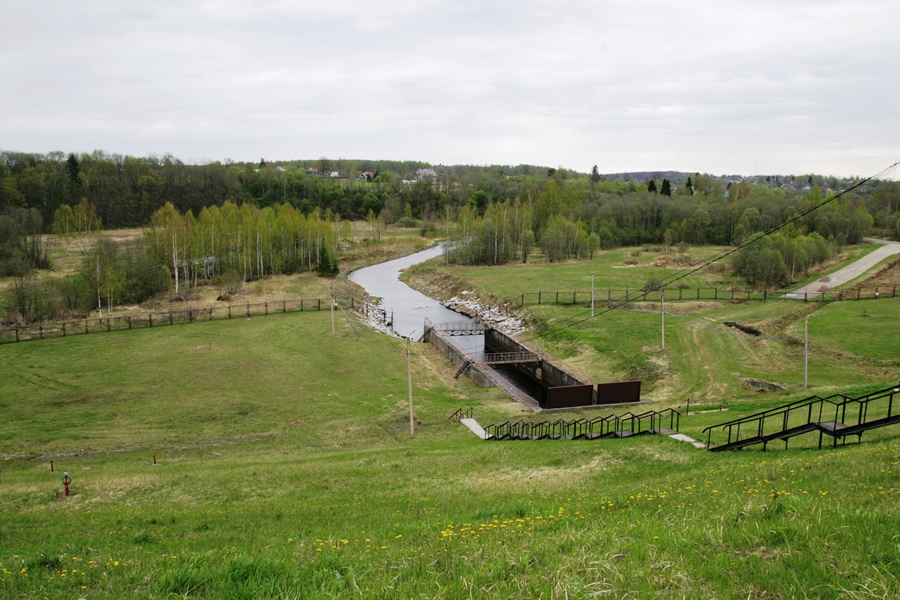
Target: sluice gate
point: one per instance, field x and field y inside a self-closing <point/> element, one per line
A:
<point x="522" y="373"/>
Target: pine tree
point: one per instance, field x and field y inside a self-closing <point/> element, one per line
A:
<point x="666" y="188"/>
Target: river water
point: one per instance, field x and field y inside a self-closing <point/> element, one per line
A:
<point x="408" y="307"/>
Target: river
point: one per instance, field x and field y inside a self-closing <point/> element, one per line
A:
<point x="408" y="307"/>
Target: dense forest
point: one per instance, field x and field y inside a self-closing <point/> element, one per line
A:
<point x="247" y="220"/>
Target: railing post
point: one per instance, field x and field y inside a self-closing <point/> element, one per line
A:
<point x="64" y="329"/>
<point x="129" y="321"/>
<point x="17" y="334"/>
<point x="151" y="319"/>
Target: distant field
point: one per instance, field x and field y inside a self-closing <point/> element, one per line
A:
<point x="608" y="268"/>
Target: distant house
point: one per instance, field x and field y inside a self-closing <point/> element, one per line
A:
<point x="366" y="176"/>
<point x="280" y="169"/>
<point x="312" y="171"/>
<point x="426" y="175"/>
<point x="334" y="174"/>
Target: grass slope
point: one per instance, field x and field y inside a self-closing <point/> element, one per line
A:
<point x="286" y="471"/>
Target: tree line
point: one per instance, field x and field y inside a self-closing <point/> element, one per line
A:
<point x="243" y="221"/>
<point x="126" y="191"/>
<point x="225" y="246"/>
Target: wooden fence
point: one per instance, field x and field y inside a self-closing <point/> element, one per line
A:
<point x="54" y="329"/>
<point x="583" y="297"/>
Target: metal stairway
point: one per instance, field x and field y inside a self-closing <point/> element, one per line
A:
<point x="609" y="426"/>
<point x="837" y="416"/>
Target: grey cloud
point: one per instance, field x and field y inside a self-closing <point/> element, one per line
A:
<point x="712" y="86"/>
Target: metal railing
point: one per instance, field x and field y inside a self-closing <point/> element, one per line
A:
<point x="622" y="425"/>
<point x="460" y="414"/>
<point x="837" y="415"/>
<point x="503" y="358"/>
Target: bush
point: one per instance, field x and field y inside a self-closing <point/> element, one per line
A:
<point x="652" y="284"/>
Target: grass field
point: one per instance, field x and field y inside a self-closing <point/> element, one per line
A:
<point x="285" y="470"/>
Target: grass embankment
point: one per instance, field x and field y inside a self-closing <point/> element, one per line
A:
<point x="286" y="470"/>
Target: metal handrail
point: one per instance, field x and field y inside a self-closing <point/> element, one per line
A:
<point x="583" y="427"/>
<point x="814" y="407"/>
<point x="461" y="413"/>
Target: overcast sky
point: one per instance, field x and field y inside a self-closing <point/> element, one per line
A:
<point x="718" y="86"/>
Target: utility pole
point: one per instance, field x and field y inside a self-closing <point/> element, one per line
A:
<point x="806" y="354"/>
<point x="331" y="287"/>
<point x="412" y="426"/>
<point x="592" y="296"/>
<point x="662" y="314"/>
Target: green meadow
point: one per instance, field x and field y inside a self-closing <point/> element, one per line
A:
<point x="285" y="466"/>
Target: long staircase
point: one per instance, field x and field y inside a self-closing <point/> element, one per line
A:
<point x="609" y="426"/>
<point x="837" y="416"/>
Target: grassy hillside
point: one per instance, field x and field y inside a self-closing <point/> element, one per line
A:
<point x="285" y="470"/>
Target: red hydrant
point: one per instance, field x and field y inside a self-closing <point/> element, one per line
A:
<point x="66" y="481"/>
